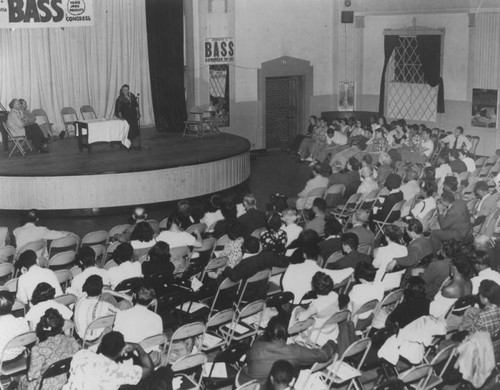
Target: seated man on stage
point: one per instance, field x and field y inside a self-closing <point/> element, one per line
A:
<point x="18" y="126"/>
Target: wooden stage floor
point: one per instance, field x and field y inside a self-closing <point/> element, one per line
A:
<point x="167" y="151"/>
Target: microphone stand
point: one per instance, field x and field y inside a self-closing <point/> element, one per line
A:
<point x="141" y="146"/>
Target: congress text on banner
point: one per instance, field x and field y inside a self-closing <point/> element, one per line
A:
<point x="219" y="50"/>
<point x="46" y="13"/>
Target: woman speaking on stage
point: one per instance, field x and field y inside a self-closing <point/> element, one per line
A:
<point x="127" y="108"/>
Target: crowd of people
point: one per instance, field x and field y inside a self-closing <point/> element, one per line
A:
<point x="413" y="228"/>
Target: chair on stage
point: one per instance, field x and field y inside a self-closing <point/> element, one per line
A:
<point x="19" y="142"/>
<point x="43" y="120"/>
<point x="194" y="124"/>
<point x="88" y="113"/>
<point x="69" y="117"/>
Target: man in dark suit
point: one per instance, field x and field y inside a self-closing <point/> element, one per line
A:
<point x="418" y="248"/>
<point x="350" y="178"/>
<point x="253" y="219"/>
<point x="360" y="220"/>
<point x="332" y="242"/>
<point x="393" y="184"/>
<point x="454" y="220"/>
<point x="352" y="256"/>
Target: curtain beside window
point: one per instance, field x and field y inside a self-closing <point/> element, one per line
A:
<point x="390" y="43"/>
<point x="429" y="50"/>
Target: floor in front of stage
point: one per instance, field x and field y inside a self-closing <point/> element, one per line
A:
<point x="167" y="150"/>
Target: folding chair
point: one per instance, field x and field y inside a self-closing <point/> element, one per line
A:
<point x="109" y="251"/>
<point x="62" y="260"/>
<point x="99" y="237"/>
<point x="192" y="330"/>
<point x="55" y="369"/>
<point x="69" y="117"/>
<point x="333" y="195"/>
<point x="43" y="119"/>
<point x="230" y="357"/>
<point x="440" y="364"/>
<point x="163" y="224"/>
<point x="194" y="362"/>
<point x="6" y="271"/>
<point x="7" y="254"/>
<point x="88" y="113"/>
<point x="334" y="257"/>
<point x="64" y="277"/>
<point x="369" y="200"/>
<point x="300" y="326"/>
<point x="19" y="142"/>
<point x="246" y="323"/>
<point x="129" y="285"/>
<point x="39" y="247"/>
<point x="219" y="245"/>
<point x="64" y="244"/>
<point x="480" y="162"/>
<point x="488" y="165"/>
<point x="395" y="209"/>
<point x="277" y="274"/>
<point x="103" y="323"/>
<point x="194" y="124"/>
<point x="393" y="280"/>
<point x="474" y="140"/>
<point x="252" y="385"/>
<point x="201" y="227"/>
<point x="366" y="324"/>
<point x="349" y="208"/>
<point x="315" y="368"/>
<point x="20" y="364"/>
<point x="213" y="339"/>
<point x="341" y="371"/>
<point x="118" y="229"/>
<point x="110" y="264"/>
<point x="417" y="376"/>
<point x="343" y="286"/>
<point x="11" y="285"/>
<point x="180" y="256"/>
<point x="366" y="249"/>
<point x="152" y="342"/>
<point x="258" y="232"/>
<point x="254" y="288"/>
<point x="154" y="224"/>
<point x="389" y="302"/>
<point x="327" y="327"/>
<point x="66" y="299"/>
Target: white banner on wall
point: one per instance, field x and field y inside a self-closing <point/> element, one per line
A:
<point x="219" y="50"/>
<point x="46" y="13"/>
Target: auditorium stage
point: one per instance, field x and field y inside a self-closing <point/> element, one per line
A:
<point x="110" y="177"/>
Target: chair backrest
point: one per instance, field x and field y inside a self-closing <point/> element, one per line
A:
<point x="195" y="113"/>
<point x="226" y="288"/>
<point x="206" y="245"/>
<point x="6" y="269"/>
<point x="392" y="298"/>
<point x="105" y="323"/>
<point x="427" y="219"/>
<point x="221" y="242"/>
<point x="474" y="140"/>
<point x="68" y="115"/>
<point x="392" y="280"/>
<point x="7" y="254"/>
<point x="129" y="284"/>
<point x="118" y="229"/>
<point x="163" y="224"/>
<point x="414" y="374"/>
<point x="110" y="264"/>
<point x="333" y="194"/>
<point x="63" y="259"/>
<point x="480" y="162"/>
<point x="160" y="340"/>
<point x="109" y="251"/>
<point x="193" y="330"/>
<point x="39" y="113"/>
<point x="444" y="355"/>
<point x="300" y="326"/>
<point x="255" y="287"/>
<point x="365" y="248"/>
<point x="63" y="244"/>
<point x="36" y="246"/>
<point x="366" y="307"/>
<point x="11" y="285"/>
<point x="334" y="257"/>
<point x="220" y="318"/>
<point x="343" y="286"/>
<point x="95" y="238"/>
<point x="251" y="309"/>
<point x="88" y="112"/>
<point x="63" y="277"/>
<point x="154" y="224"/>
<point x="258" y="232"/>
<point x="214" y="265"/>
<point x="315" y="193"/>
<point x="337" y="318"/>
<point x="21" y="341"/>
<point x="66" y="299"/>
<point x="359" y="346"/>
<point x="396" y="208"/>
<point x="252" y="385"/>
<point x="201" y="227"/>
<point x="55" y="369"/>
<point x="191" y="362"/>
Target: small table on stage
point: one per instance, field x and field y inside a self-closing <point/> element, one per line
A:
<point x="102" y="130"/>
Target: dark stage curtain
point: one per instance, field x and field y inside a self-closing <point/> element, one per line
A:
<point x="429" y="49"/>
<point x="164" y="19"/>
<point x="390" y="42"/>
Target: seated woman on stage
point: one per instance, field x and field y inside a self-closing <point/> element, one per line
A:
<point x="30" y="119"/>
<point x="18" y="126"/>
<point x="127" y="108"/>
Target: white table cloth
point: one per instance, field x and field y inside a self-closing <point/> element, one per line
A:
<point x="107" y="130"/>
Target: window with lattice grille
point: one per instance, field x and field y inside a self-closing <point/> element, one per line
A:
<point x="408" y="95"/>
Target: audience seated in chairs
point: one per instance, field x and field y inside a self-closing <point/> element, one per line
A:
<point x="385" y="255"/>
<point x="253" y="218"/>
<point x="274" y="239"/>
<point x="332" y="242"/>
<point x="393" y="184"/>
<point x="317" y="182"/>
<point x="360" y="221"/>
<point x="11" y="326"/>
<point x="175" y="237"/>
<point x="127" y="268"/>
<point x="352" y="258"/>
<point x="32" y="275"/>
<point x="31" y="232"/>
<point x="143" y="236"/>
<point x="139" y="322"/>
<point x="139" y="215"/>
<point x="85" y="259"/>
<point x="272" y="346"/>
<point x="53" y="346"/>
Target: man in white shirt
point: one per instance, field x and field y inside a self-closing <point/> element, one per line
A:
<point x="468" y="161"/>
<point x="126" y="269"/>
<point x="385" y="254"/>
<point x="318" y="181"/>
<point x="30" y="232"/>
<point x="32" y="274"/>
<point x="138" y="322"/>
<point x="86" y="258"/>
<point x="482" y="264"/>
<point x="457" y="140"/>
<point x="442" y="171"/>
<point x="298" y="276"/>
<point x="411" y="188"/>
